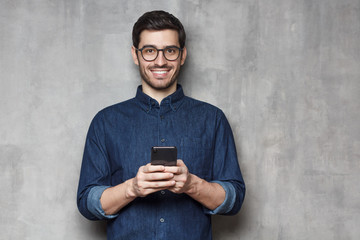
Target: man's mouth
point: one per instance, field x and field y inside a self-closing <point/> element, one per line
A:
<point x="160" y="73"/>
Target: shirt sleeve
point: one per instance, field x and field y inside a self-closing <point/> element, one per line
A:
<point x="230" y="198"/>
<point x="95" y="175"/>
<point x="94" y="204"/>
<point x="226" y="169"/>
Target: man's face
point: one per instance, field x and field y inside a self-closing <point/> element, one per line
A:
<point x="161" y="73"/>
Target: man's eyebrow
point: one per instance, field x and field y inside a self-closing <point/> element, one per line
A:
<point x="173" y="46"/>
<point x="148" y="46"/>
<point x="157" y="47"/>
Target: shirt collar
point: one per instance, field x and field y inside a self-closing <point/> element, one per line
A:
<point x="147" y="102"/>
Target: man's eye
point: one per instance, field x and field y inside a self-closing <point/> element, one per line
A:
<point x="149" y="50"/>
<point x="171" y="50"/>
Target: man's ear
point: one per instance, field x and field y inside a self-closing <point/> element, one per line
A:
<point x="134" y="55"/>
<point x="183" y="56"/>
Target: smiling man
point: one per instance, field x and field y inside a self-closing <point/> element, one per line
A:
<point x="117" y="181"/>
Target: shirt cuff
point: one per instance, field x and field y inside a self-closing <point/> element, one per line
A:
<point x="230" y="198"/>
<point x="94" y="204"/>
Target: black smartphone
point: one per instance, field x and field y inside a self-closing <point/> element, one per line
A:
<point x="163" y="156"/>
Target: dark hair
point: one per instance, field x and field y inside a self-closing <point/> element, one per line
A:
<point x="157" y="20"/>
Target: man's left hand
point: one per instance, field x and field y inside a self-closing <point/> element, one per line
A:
<point x="182" y="177"/>
<point x="209" y="194"/>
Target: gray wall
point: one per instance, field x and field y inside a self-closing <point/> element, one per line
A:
<point x="286" y="73"/>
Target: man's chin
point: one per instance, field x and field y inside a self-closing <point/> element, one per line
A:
<point x="161" y="86"/>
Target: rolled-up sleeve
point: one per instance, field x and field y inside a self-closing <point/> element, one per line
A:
<point x="94" y="204"/>
<point x="228" y="203"/>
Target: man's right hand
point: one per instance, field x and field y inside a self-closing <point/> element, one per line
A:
<point x="149" y="179"/>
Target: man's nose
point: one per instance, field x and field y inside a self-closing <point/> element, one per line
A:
<point x="160" y="60"/>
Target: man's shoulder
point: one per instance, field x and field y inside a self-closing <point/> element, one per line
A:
<point x="118" y="109"/>
<point x="199" y="104"/>
<point x="119" y="106"/>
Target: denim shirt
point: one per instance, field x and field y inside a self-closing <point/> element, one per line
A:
<point x="119" y="141"/>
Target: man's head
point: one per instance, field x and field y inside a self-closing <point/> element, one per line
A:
<point x="159" y="49"/>
<point x="156" y="21"/>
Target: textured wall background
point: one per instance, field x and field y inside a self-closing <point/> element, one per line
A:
<point x="286" y="73"/>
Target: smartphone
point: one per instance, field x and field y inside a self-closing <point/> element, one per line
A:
<point x="163" y="156"/>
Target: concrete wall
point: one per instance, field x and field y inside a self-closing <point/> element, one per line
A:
<point x="286" y="73"/>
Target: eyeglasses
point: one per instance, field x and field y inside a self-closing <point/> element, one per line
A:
<point x="170" y="53"/>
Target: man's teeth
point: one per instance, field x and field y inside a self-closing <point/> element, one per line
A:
<point x="160" y="72"/>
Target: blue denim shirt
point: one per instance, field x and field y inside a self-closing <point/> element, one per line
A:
<point x="119" y="141"/>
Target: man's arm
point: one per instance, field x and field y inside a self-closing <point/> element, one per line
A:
<point x="96" y="199"/>
<point x="211" y="195"/>
<point x="226" y="169"/>
<point x="226" y="193"/>
<point x="149" y="179"/>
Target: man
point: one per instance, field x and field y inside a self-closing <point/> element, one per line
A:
<point x="117" y="182"/>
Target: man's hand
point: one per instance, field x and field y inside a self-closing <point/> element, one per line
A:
<point x="182" y="177"/>
<point x="211" y="195"/>
<point x="150" y="179"/>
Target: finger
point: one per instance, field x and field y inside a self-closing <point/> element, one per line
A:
<point x="148" y="168"/>
<point x="180" y="162"/>
<point x="148" y="191"/>
<point x="175" y="189"/>
<point x="174" y="170"/>
<point x="158" y="185"/>
<point x="180" y="180"/>
<point x="156" y="176"/>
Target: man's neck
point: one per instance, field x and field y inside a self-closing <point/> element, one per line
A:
<point x="156" y="94"/>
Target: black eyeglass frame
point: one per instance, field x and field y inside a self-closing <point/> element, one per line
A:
<point x="159" y="50"/>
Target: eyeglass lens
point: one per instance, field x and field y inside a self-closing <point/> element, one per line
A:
<point x="151" y="53"/>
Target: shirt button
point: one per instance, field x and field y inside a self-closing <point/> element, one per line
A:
<point x="162" y="140"/>
<point x="162" y="117"/>
<point x="162" y="220"/>
<point x="162" y="192"/>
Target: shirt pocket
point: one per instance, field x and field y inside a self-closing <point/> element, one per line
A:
<point x="197" y="155"/>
